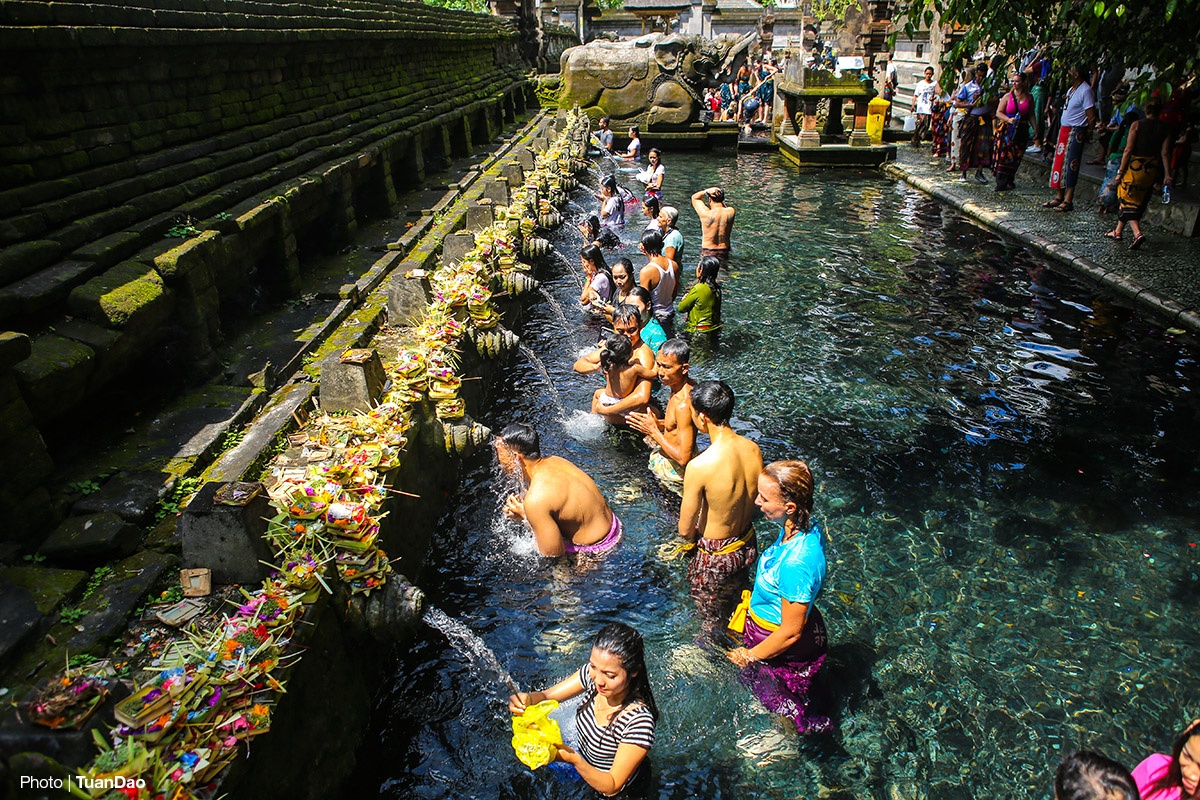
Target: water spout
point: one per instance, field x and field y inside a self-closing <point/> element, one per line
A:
<point x="532" y="358"/>
<point x="557" y="308"/>
<point x="467" y="643"/>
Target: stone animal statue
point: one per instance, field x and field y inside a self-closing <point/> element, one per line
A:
<point x="656" y="81"/>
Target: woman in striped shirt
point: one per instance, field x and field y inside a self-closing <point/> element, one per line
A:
<point x="616" y="719"/>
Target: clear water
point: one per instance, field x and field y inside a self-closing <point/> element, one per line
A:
<point x="1006" y="466"/>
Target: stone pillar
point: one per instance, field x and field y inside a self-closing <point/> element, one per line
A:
<point x="226" y="539"/>
<point x="496" y="190"/>
<point x="455" y="246"/>
<point x="858" y="137"/>
<point x="525" y="158"/>
<point x="808" y="127"/>
<point x="413" y="162"/>
<point x="479" y="216"/>
<point x="352" y="381"/>
<point x="513" y="172"/>
<point x="408" y="294"/>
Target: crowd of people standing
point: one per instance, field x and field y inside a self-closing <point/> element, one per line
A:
<point x="990" y="116"/>
<point x="772" y="631"/>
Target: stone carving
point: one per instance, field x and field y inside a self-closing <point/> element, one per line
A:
<point x="656" y="81"/>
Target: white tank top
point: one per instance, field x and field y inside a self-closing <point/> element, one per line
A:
<point x="660" y="295"/>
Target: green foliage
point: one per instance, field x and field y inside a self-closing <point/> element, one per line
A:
<point x="83" y="487"/>
<point x="833" y="10"/>
<point x="71" y="614"/>
<point x="1147" y="32"/>
<point x="80" y="660"/>
<point x="177" y="499"/>
<point x="34" y="558"/>
<point x="478" y="6"/>
<point x="184" y="228"/>
<point x="231" y="439"/>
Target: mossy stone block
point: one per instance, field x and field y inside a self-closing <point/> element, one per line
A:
<point x="55" y="376"/>
<point x="129" y="295"/>
<point x="14" y="348"/>
<point x="179" y="261"/>
<point x="90" y="540"/>
<point x="21" y="260"/>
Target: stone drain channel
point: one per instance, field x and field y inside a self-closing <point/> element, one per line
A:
<point x="305" y="527"/>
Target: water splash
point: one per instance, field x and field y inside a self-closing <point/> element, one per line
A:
<point x="572" y="270"/>
<point x="466" y="642"/>
<point x="532" y="358"/>
<point x="584" y="426"/>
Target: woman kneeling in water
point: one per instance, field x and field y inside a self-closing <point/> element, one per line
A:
<point x="616" y="719"/>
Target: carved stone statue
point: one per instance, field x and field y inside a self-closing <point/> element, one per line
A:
<point x="656" y="81"/>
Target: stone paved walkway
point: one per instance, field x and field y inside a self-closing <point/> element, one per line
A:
<point x="1163" y="276"/>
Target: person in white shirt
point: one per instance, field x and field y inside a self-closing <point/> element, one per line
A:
<point x="923" y="94"/>
<point x="1078" y="115"/>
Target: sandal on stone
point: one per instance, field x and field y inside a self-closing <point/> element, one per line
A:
<point x="1112" y="235"/>
<point x="1052" y="204"/>
<point x="1137" y="242"/>
<point x="1065" y="207"/>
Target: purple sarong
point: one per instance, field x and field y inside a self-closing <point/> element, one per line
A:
<point x="783" y="683"/>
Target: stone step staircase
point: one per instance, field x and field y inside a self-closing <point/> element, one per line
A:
<point x="164" y="162"/>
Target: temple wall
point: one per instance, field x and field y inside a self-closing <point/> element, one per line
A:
<point x="160" y="160"/>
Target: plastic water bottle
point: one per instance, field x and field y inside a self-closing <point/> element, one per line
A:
<point x="1166" y="195"/>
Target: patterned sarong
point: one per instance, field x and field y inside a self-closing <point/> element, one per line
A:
<point x="1137" y="184"/>
<point x="784" y="683"/>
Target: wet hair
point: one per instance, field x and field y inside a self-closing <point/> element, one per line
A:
<point x="672" y="214"/>
<point x="679" y="348"/>
<point x="714" y="399"/>
<point x="641" y="294"/>
<point x="627" y="313"/>
<point x="654" y="204"/>
<point x="593" y="254"/>
<point x="592" y="224"/>
<point x="717" y="194"/>
<point x="1090" y="776"/>
<point x="626" y="263"/>
<point x="523" y="439"/>
<point x="795" y="483"/>
<point x="625" y="643"/>
<point x="617" y="351"/>
<point x="709" y="266"/>
<point x="605" y="120"/>
<point x="652" y="241"/>
<point x="654" y="151"/>
<point x="1173" y="777"/>
<point x="610" y="183"/>
<point x="633" y="129"/>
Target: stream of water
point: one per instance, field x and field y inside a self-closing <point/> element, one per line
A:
<point x="1006" y="467"/>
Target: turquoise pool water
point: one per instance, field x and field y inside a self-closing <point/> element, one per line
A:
<point x="1006" y="467"/>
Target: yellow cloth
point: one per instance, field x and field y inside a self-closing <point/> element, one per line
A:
<point x="535" y="735"/>
<point x="673" y="550"/>
<point x="737" y="620"/>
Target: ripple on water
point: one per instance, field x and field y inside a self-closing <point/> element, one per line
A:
<point x="1011" y="569"/>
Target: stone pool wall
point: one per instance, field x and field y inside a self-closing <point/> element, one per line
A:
<point x="160" y="159"/>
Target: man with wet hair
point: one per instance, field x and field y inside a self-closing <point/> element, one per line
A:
<point x="716" y="223"/>
<point x="627" y="319"/>
<point x="603" y="136"/>
<point x="673" y="437"/>
<point x="561" y="504"/>
<point x="719" y="487"/>
<point x="1090" y="776"/>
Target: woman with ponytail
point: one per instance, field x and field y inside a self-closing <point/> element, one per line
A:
<point x="782" y="630"/>
<point x="702" y="303"/>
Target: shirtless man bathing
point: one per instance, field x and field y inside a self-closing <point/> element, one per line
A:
<point x="674" y="436"/>
<point x="562" y="505"/>
<point x="716" y="222"/>
<point x="719" y="487"/>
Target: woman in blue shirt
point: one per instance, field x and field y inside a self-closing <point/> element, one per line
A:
<point x="783" y="633"/>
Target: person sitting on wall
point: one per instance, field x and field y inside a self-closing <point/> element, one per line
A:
<point x="561" y="504"/>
